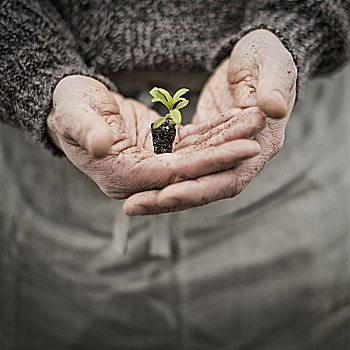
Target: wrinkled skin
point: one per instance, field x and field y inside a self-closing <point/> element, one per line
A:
<point x="108" y="138"/>
<point x="259" y="75"/>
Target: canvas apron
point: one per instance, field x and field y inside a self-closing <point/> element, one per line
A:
<point x="269" y="269"/>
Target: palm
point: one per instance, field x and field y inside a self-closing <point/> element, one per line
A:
<point x="215" y="97"/>
<point x="137" y="118"/>
<point x="219" y="95"/>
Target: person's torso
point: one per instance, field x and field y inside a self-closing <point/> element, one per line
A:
<point x="154" y="35"/>
<point x="203" y="278"/>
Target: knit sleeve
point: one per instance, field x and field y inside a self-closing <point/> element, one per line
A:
<point x="36" y="51"/>
<point x="317" y="33"/>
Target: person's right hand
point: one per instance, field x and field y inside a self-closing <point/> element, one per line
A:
<point x="260" y="74"/>
<point x="108" y="138"/>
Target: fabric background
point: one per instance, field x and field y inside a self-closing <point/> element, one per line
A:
<point x="269" y="269"/>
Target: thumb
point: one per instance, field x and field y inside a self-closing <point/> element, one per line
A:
<point x="83" y="127"/>
<point x="93" y="134"/>
<point x="262" y="73"/>
<point x="83" y="113"/>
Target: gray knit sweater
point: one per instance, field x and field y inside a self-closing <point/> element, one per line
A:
<point x="43" y="41"/>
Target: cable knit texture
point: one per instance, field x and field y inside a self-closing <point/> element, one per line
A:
<point x="42" y="42"/>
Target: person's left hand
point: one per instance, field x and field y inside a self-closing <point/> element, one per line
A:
<point x="259" y="74"/>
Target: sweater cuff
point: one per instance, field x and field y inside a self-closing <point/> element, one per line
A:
<point x="41" y="103"/>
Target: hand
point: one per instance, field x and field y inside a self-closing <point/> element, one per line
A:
<point x="259" y="74"/>
<point x="108" y="138"/>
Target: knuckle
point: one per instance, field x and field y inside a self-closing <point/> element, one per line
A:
<point x="239" y="184"/>
<point x="277" y="142"/>
<point x="272" y="138"/>
<point x="274" y="147"/>
<point x="105" y="104"/>
<point x="179" y="177"/>
<point x="246" y="77"/>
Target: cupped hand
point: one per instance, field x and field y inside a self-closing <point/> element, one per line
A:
<point x="108" y="138"/>
<point x="259" y="76"/>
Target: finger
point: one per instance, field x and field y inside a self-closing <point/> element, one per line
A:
<point x="182" y="195"/>
<point x="244" y="123"/>
<point x="134" y="169"/>
<point x="145" y="171"/>
<point x="91" y="132"/>
<point x="262" y="72"/>
<point x="199" y="129"/>
<point x="193" y="193"/>
<point x="277" y="81"/>
<point x="145" y="203"/>
<point x="158" y="171"/>
<point x="207" y="189"/>
<point x="210" y="188"/>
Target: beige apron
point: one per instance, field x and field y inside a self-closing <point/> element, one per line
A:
<point x="269" y="269"/>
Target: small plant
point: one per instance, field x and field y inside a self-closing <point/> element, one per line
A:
<point x="174" y="104"/>
<point x="163" y="129"/>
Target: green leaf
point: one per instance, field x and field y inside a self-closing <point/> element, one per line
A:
<point x="171" y="123"/>
<point x="178" y="94"/>
<point x="176" y="116"/>
<point x="182" y="104"/>
<point x="166" y="94"/>
<point x="159" y="122"/>
<point x="162" y="100"/>
<point x="155" y="93"/>
<point x="157" y="99"/>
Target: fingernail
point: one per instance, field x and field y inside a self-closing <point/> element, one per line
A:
<point x="257" y="148"/>
<point x="280" y="98"/>
<point x="135" y="210"/>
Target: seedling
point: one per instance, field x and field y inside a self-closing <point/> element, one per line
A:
<point x="163" y="129"/>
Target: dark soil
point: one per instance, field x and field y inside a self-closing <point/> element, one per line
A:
<point x="163" y="137"/>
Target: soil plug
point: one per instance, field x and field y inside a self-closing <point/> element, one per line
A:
<point x="164" y="129"/>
